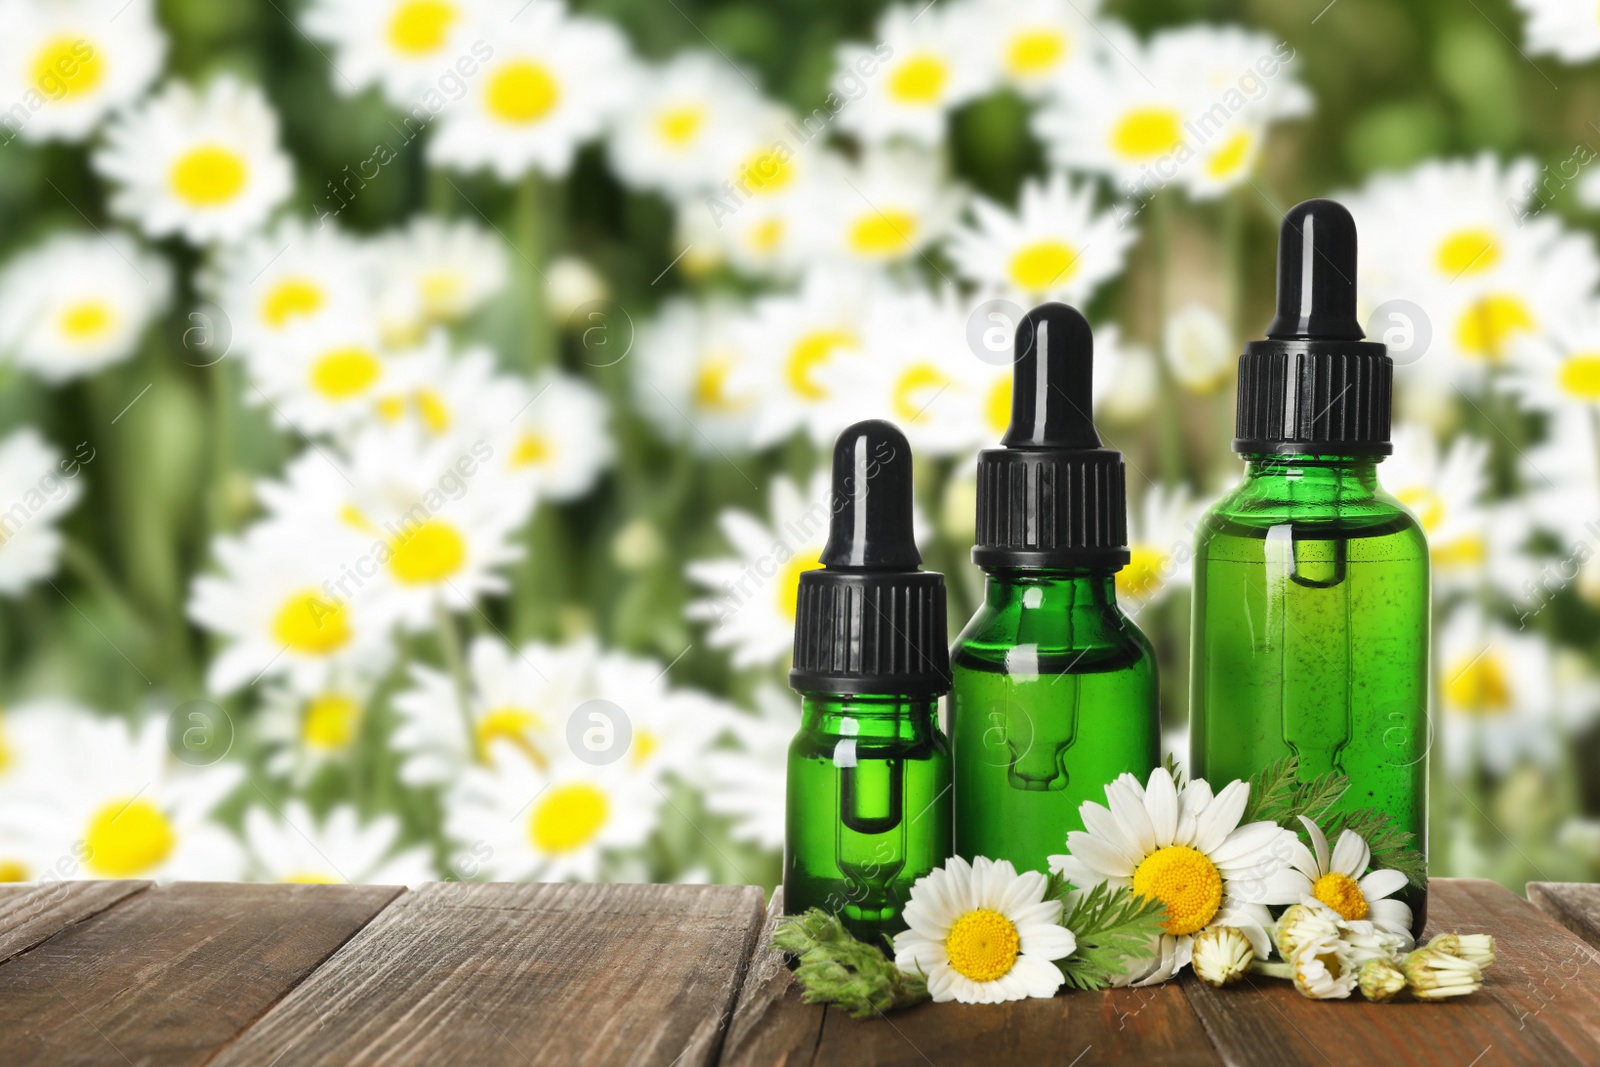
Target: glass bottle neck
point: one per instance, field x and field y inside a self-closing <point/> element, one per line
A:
<point x="869" y="715"/>
<point x="1051" y="590"/>
<point x="1312" y="479"/>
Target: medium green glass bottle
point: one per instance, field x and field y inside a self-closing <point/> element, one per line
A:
<point x="1311" y="598"/>
<point x="1054" y="688"/>
<point x="868" y="808"/>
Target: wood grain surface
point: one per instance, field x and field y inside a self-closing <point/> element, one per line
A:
<point x="1574" y="905"/>
<point x="523" y="974"/>
<point x="168" y="975"/>
<point x="31" y="913"/>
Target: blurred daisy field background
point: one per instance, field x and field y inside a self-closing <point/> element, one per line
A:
<point x="414" y="413"/>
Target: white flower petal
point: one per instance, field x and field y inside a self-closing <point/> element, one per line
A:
<point x="1161" y="803"/>
<point x="1046" y="941"/>
<point x="1127" y="805"/>
<point x="1381" y="883"/>
<point x="1351" y="855"/>
<point x="1221" y="817"/>
<point x="1039" y="977"/>
<point x="1319" y="845"/>
<point x="1102" y="859"/>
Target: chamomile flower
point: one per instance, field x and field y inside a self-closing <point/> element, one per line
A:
<point x="1186" y="849"/>
<point x="291" y="845"/>
<point x="737" y="781"/>
<point x="983" y="934"/>
<point x="435" y="271"/>
<point x="682" y="133"/>
<point x="758" y="216"/>
<point x="907" y="85"/>
<point x="1340" y="881"/>
<point x="1559" y="369"/>
<point x="124" y="808"/>
<point x="1055" y="246"/>
<point x="554" y="80"/>
<point x="1445" y="493"/>
<point x="78" y="303"/>
<point x="1222" y="955"/>
<point x="436" y="391"/>
<point x="306" y="732"/>
<point x="1160" y="531"/>
<point x="555" y="823"/>
<point x="692" y="381"/>
<point x="1562" y="474"/>
<point x="1558" y="28"/>
<point x="1498" y="697"/>
<point x="404" y="46"/>
<point x="1198" y="348"/>
<point x="33" y="498"/>
<point x="560" y="436"/>
<point x="323" y="376"/>
<point x="1325" y="970"/>
<point x="1032" y="44"/>
<point x="276" y="608"/>
<point x="295" y="275"/>
<point x="68" y="65"/>
<point x="886" y="209"/>
<point x="201" y="164"/>
<point x="754" y="591"/>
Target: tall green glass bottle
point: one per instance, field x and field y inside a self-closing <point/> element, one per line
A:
<point x="869" y="772"/>
<point x="1311" y="599"/>
<point x="1054" y="688"/>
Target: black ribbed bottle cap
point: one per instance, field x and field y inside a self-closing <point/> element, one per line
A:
<point x="1314" y="387"/>
<point x="870" y="621"/>
<point x="1051" y="498"/>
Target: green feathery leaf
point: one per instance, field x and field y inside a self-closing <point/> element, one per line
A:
<point x="835" y="968"/>
<point x="1277" y="795"/>
<point x="1113" y="926"/>
<point x="1171" y="764"/>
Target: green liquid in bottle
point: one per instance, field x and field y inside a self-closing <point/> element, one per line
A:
<point x="868" y="808"/>
<point x="1055" y="695"/>
<point x="1310" y="637"/>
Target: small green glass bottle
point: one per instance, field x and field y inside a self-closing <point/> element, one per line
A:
<point x="1311" y="601"/>
<point x="869" y="772"/>
<point x="1054" y="688"/>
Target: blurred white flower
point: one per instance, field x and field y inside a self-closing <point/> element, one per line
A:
<point x="308" y="731"/>
<point x="291" y="845"/>
<point x="1199" y="348"/>
<point x="560" y="436"/>
<point x="571" y="282"/>
<point x="1126" y="377"/>
<point x="204" y="165"/>
<point x="1562" y="478"/>
<point x="78" y="302"/>
<point x="65" y="64"/>
<point x="921" y="65"/>
<point x="34" y="495"/>
<point x="116" y="804"/>
<point x="1055" y="246"/>
<point x="31" y="740"/>
<point x="1445" y="491"/>
<point x="1560" y="28"/>
<point x="1560" y="368"/>
<point x="325" y="375"/>
<point x="552" y="82"/>
<point x="1161" y="532"/>
<point x="692" y="381"/>
<point x="738" y="781"/>
<point x="440" y="392"/>
<point x="411" y="48"/>
<point x="887" y="208"/>
<point x="1032" y="44"/>
<point x="435" y="271"/>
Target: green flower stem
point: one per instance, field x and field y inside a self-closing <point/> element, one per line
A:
<point x="1170" y="424"/>
<point x="455" y="663"/>
<point x="537" y="217"/>
<point x="1272" y="969"/>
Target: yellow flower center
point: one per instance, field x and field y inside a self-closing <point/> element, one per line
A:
<point x="679" y="125"/>
<point x="13" y="871"/>
<point x="533" y="450"/>
<point x="1580" y="376"/>
<point x="1032" y="52"/>
<point x="311" y="624"/>
<point x="442" y="291"/>
<point x="983" y="945"/>
<point x="711" y="385"/>
<point x="421" y="26"/>
<point x="291" y="298"/>
<point x="1230" y="157"/>
<point x="345" y="372"/>
<point x="1488" y="326"/>
<point x="434" y="411"/>
<point x="767" y="171"/>
<point x="522" y="92"/>
<point x="66" y="67"/>
<point x="127" y="838"/>
<point x="916" y="389"/>
<point x="645" y="744"/>
<point x="513" y="725"/>
<point x="427" y="553"/>
<point x="919" y="80"/>
<point x="1425" y="504"/>
<point x="1479" y="687"/>
<point x="1341" y="893"/>
<point x="1147" y="132"/>
<point x="330" y="722"/>
<point x="1469" y="551"/>
<point x="312" y="878"/>
<point x="811" y="352"/>
<point x="1144" y="572"/>
<point x="1469" y="251"/>
<point x="568" y="817"/>
<point x="997" y="410"/>
<point x="767" y="234"/>
<point x="883" y="233"/>
<point x="788" y="590"/>
<point x="1043" y="265"/>
<point x="1186" y="881"/>
<point x="87" y="319"/>
<point x="208" y="176"/>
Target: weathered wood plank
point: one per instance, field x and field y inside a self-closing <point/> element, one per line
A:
<point x="1575" y="905"/>
<point x="30" y="914"/>
<point x="1265" y="1022"/>
<point x="770" y="1025"/>
<point x="1545" y="977"/>
<point x="172" y="973"/>
<point x="523" y="975"/>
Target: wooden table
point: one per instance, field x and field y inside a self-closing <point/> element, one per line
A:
<point x="192" y="973"/>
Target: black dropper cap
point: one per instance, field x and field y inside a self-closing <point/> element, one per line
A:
<point x="1314" y="387"/>
<point x="869" y="621"/>
<point x="1052" y="498"/>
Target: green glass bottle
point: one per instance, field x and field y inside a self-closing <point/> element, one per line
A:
<point x="1054" y="688"/>
<point x="1311" y="598"/>
<point x="868" y="808"/>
